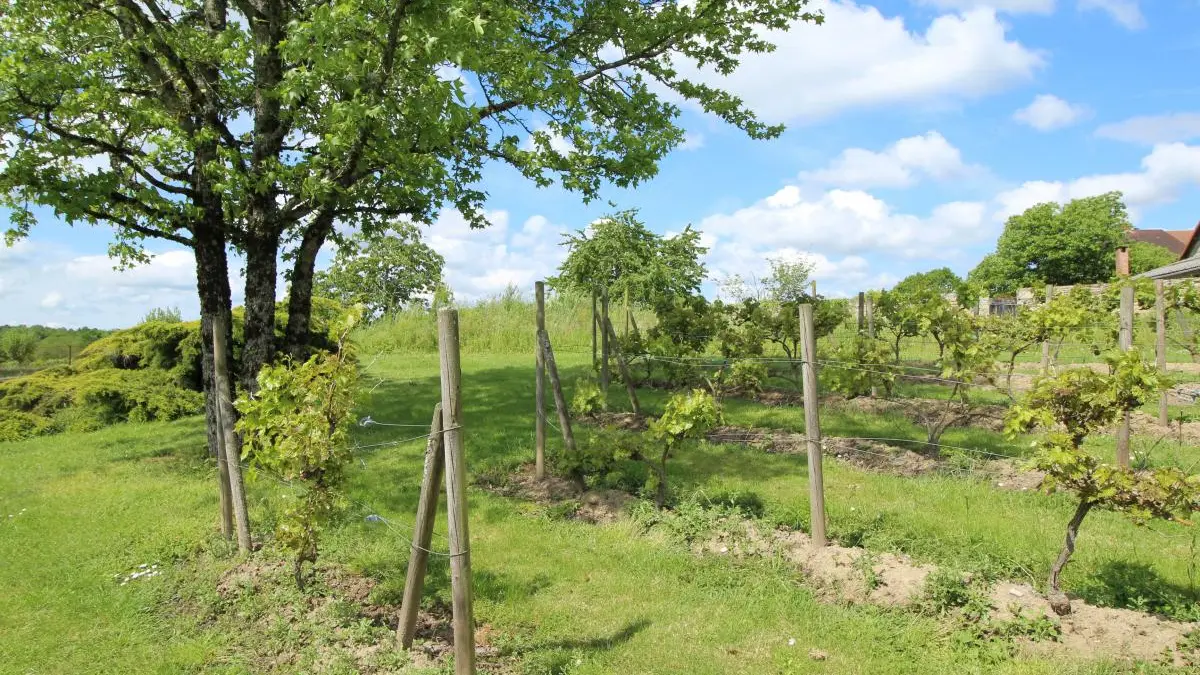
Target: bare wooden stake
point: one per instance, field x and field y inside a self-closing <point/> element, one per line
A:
<point x="418" y="556"/>
<point x="539" y="389"/>
<point x="812" y="425"/>
<point x="595" y="325"/>
<point x="623" y="367"/>
<point x="1046" y="343"/>
<point x="456" y="494"/>
<point x="560" y="401"/>
<point x="223" y="389"/>
<point x="223" y="478"/>
<point x="870" y="310"/>
<point x="1160" y="345"/>
<point x="861" y="310"/>
<point x="1126" y="343"/>
<point x="605" y="346"/>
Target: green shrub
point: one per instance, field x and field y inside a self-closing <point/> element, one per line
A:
<point x="587" y="399"/>
<point x="16" y="425"/>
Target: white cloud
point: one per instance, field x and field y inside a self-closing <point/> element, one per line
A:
<point x="556" y="140"/>
<point x="1048" y="112"/>
<point x="861" y="59"/>
<point x="1125" y="12"/>
<point x="481" y="263"/>
<point x="52" y="300"/>
<point x="1152" y="129"/>
<point x="1007" y="6"/>
<point x="692" y="141"/>
<point x="1165" y="172"/>
<point x="898" y="165"/>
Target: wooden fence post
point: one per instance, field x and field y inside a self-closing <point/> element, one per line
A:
<point x="539" y="390"/>
<point x="870" y="311"/>
<point x="595" y="323"/>
<point x="1160" y="345"/>
<point x="560" y="401"/>
<point x="604" y="343"/>
<point x="223" y="389"/>
<point x="223" y="479"/>
<point x="812" y="425"/>
<point x="861" y="310"/>
<point x="624" y="370"/>
<point x="418" y="556"/>
<point x="1125" y="343"/>
<point x="456" y="494"/>
<point x="1046" y="343"/>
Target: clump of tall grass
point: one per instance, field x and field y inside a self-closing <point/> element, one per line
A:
<point x="499" y="324"/>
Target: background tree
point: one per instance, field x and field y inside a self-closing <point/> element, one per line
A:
<point x="382" y="271"/>
<point x="211" y="123"/>
<point x="621" y="255"/>
<point x="18" y="345"/>
<point x="1056" y="244"/>
<point x="1144" y="256"/>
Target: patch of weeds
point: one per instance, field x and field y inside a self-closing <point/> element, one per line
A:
<point x="948" y="591"/>
<point x="560" y="511"/>
<point x="551" y="662"/>
<point x="688" y="522"/>
<point x="1187" y="650"/>
<point x="1039" y="627"/>
<point x="865" y="564"/>
<point x="494" y="474"/>
<point x="742" y="502"/>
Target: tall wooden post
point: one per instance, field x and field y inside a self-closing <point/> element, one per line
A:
<point x="1046" y="343"/>
<point x="604" y="344"/>
<point x="560" y="401"/>
<point x="624" y="370"/>
<point x="813" y="285"/>
<point x="456" y="494"/>
<point x="1125" y="343"/>
<point x="812" y="425"/>
<point x="595" y="324"/>
<point x="1160" y="345"/>
<point x="870" y="312"/>
<point x="223" y="480"/>
<point x="627" y="314"/>
<point x="223" y="390"/>
<point x="539" y="389"/>
<point x="861" y="310"/>
<point x="418" y="556"/>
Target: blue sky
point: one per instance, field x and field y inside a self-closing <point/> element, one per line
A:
<point x="914" y="129"/>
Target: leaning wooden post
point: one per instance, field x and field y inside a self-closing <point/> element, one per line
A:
<point x="812" y="425"/>
<point x="539" y="389"/>
<point x="623" y="366"/>
<point x="1160" y="345"/>
<point x="560" y="401"/>
<point x="604" y="344"/>
<point x="861" y="310"/>
<point x="870" y="311"/>
<point x="223" y="478"/>
<point x="595" y="323"/>
<point x="1126" y="344"/>
<point x="456" y="494"/>
<point x="418" y="555"/>
<point x="1046" y="342"/>
<point x="223" y="390"/>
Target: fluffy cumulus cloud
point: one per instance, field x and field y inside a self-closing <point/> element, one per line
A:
<point x="1165" y="173"/>
<point x="1048" y="112"/>
<point x="901" y="164"/>
<point x="862" y="59"/>
<point x="1152" y="129"/>
<point x="1125" y="12"/>
<point x="481" y="263"/>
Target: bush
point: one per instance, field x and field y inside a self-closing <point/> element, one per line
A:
<point x="587" y="399"/>
<point x="16" y="426"/>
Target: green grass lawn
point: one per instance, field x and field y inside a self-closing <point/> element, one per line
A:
<point x="562" y="596"/>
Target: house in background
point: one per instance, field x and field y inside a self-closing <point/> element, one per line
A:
<point x="1175" y="241"/>
<point x="1189" y="253"/>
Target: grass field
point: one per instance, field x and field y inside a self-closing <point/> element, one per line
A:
<point x="560" y="596"/>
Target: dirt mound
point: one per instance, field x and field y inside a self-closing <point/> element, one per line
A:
<point x="618" y="420"/>
<point x="875" y="456"/>
<point x="926" y="410"/>
<point x="1142" y="424"/>
<point x="1122" y="633"/>
<point x="767" y="440"/>
<point x="333" y="623"/>
<point x="593" y="506"/>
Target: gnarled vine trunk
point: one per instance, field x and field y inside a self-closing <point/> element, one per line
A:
<point x="1058" y="600"/>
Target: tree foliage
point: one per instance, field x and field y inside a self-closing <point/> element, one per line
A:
<point x="382" y="271"/>
<point x="619" y="254"/>
<point x="1144" y="256"/>
<point x="1056" y="244"/>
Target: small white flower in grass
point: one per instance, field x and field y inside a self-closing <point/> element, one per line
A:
<point x="791" y="642"/>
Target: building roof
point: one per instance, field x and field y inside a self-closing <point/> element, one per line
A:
<point x="1175" y="241"/>
<point x="1188" y="267"/>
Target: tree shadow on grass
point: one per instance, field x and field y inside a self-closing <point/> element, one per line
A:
<point x="1136" y="585"/>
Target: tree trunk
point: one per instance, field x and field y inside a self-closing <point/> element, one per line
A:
<point x="259" y="328"/>
<point x="1058" y="600"/>
<point x="297" y="338"/>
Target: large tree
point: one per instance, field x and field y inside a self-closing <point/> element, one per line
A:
<point x="257" y="124"/>
<point x="382" y="271"/>
<point x="1059" y="244"/>
<point x="619" y="254"/>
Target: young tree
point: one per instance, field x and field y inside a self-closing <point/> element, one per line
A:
<point x="382" y="271"/>
<point x="621" y="255"/>
<point x="18" y="344"/>
<point x="685" y="417"/>
<point x="1056" y="244"/>
<point x="255" y="123"/>
<point x="1081" y="402"/>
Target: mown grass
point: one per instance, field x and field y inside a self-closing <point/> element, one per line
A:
<point x="563" y="596"/>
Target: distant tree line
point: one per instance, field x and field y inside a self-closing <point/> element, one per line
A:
<point x="24" y="345"/>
